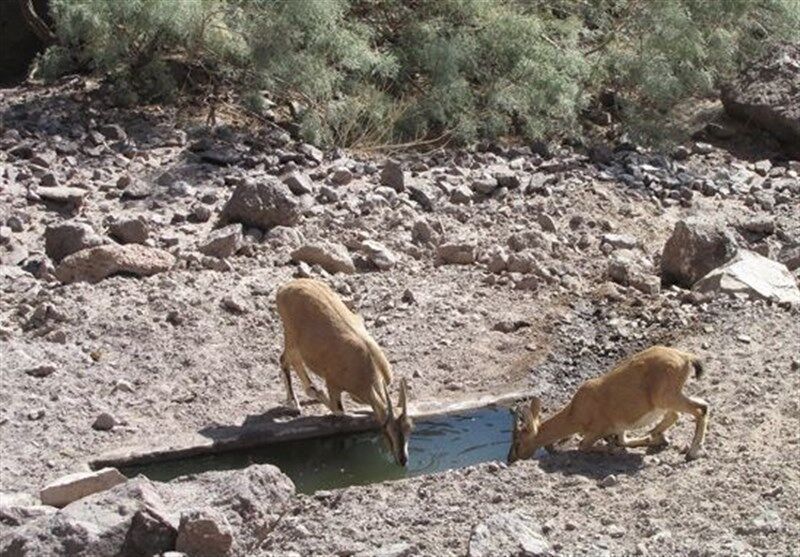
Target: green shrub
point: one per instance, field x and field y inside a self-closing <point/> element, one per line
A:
<point x="370" y="72"/>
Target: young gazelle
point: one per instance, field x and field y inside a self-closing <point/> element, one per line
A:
<point x="640" y="390"/>
<point x="322" y="335"/>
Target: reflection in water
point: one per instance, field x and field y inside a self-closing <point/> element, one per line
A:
<point x="437" y="444"/>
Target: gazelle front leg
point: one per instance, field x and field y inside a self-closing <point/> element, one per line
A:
<point x="335" y="397"/>
<point x="286" y="374"/>
<point x="699" y="409"/>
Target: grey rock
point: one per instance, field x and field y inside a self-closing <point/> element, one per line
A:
<point x="43" y="370"/>
<point x="285" y="236"/>
<point x="223" y="242"/>
<point x="608" y="481"/>
<point x="204" y="533"/>
<point x="199" y="213"/>
<point x="135" y="189"/>
<point x="423" y="233"/>
<point x="130" y="231"/>
<point x="62" y="240"/>
<point x="104" y="422"/>
<point x="95" y="264"/>
<point x="261" y="205"/>
<point x="113" y="132"/>
<point x="754" y="275"/>
<point x="497" y="260"/>
<point x="546" y="222"/>
<point x="507" y="179"/>
<point x="694" y="249"/>
<point x="68" y="197"/>
<point x="379" y="255"/>
<point x="620" y="241"/>
<point x="333" y="257"/>
<point x="151" y="532"/>
<point x="341" y="176"/>
<point x="401" y="549"/>
<point x="630" y="268"/>
<point x="456" y="253"/>
<point x="234" y="304"/>
<point x="327" y="194"/>
<point x="424" y="195"/>
<point x="392" y="176"/>
<point x="765" y="94"/>
<point x="485" y="185"/>
<point x="298" y="183"/>
<point x="510" y="533"/>
<point x="461" y="195"/>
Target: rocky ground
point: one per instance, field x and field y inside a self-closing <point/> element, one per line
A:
<point x="141" y="253"/>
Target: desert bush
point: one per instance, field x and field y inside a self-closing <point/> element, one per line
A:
<point x="362" y="72"/>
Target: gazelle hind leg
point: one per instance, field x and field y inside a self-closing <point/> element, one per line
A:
<point x="309" y="388"/>
<point x="655" y="437"/>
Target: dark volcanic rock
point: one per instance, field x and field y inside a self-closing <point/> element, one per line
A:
<point x="261" y="205"/>
<point x="768" y="94"/>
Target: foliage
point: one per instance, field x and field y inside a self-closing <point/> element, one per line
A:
<point x="377" y="71"/>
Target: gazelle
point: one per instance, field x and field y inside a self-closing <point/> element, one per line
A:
<point x="322" y="335"/>
<point x="640" y="390"/>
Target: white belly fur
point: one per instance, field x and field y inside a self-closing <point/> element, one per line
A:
<point x="648" y="419"/>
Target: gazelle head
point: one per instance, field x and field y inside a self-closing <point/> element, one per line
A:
<point x="526" y="427"/>
<point x="397" y="428"/>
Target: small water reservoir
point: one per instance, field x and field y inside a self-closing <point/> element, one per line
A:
<point x="437" y="444"/>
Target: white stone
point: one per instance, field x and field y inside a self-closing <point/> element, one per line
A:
<point x="754" y="275"/>
<point x="72" y="487"/>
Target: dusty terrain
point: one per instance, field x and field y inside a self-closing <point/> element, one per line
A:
<point x="197" y="346"/>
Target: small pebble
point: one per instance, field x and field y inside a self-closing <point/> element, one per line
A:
<point x="104" y="422"/>
<point x="609" y="481"/>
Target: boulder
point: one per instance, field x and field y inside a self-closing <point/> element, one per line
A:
<point x="332" y="257"/>
<point x="510" y="533"/>
<point x="72" y="487"/>
<point x="461" y="195"/>
<point x="694" y="249"/>
<point x="62" y="240"/>
<point x="630" y="268"/>
<point x="379" y="255"/>
<point x="70" y="198"/>
<point x="223" y="242"/>
<point x="765" y="94"/>
<point x="139" y="517"/>
<point x="423" y="233"/>
<point x="298" y="183"/>
<point x="424" y="195"/>
<point x="204" y="533"/>
<point x="753" y="275"/>
<point x="456" y="253"/>
<point x="150" y="533"/>
<point x="17" y="509"/>
<point x="95" y="264"/>
<point x="392" y="176"/>
<point x="261" y="205"/>
<point x="130" y="231"/>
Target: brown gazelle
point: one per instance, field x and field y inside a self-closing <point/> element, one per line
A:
<point x="322" y="335"/>
<point x="640" y="390"/>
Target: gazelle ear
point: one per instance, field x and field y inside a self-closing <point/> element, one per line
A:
<point x="535" y="408"/>
<point x="389" y="407"/>
<point x="520" y="416"/>
<point x="403" y="401"/>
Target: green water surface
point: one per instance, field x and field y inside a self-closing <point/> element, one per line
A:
<point x="437" y="444"/>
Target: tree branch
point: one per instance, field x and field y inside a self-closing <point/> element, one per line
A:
<point x="37" y="25"/>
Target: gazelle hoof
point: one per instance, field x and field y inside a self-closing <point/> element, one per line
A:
<point x="693" y="454"/>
